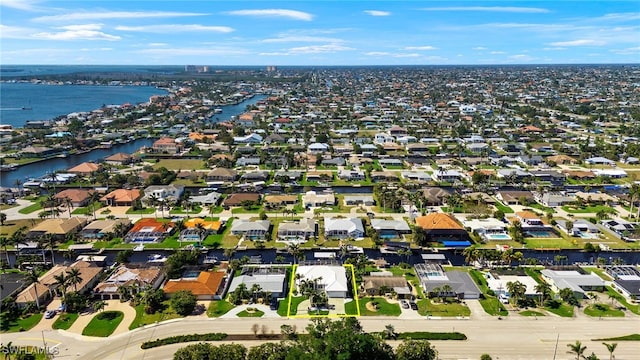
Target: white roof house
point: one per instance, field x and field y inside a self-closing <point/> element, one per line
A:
<point x="331" y="279"/>
<point x="499" y="284"/>
<point x="311" y="198"/>
<point x="573" y="280"/>
<point x="343" y="227"/>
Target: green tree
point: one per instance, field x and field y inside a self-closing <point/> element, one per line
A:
<point x="152" y="300"/>
<point x="268" y="351"/>
<point x="74" y="278"/>
<point x="123" y="256"/>
<point x="416" y="350"/>
<point x="33" y="278"/>
<point x="200" y="351"/>
<point x="485" y="357"/>
<point x="577" y="349"/>
<point x="183" y="302"/>
<point x="611" y="348"/>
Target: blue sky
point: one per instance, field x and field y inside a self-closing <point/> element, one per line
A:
<point x="318" y="32"/>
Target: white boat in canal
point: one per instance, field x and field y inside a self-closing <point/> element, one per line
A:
<point x="156" y="258"/>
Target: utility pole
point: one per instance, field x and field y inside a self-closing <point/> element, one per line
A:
<point x="556" y="348"/>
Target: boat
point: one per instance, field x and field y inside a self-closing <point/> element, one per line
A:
<point x="8" y="167"/>
<point x="217" y="110"/>
<point x="210" y="259"/>
<point x="139" y="247"/>
<point x="156" y="258"/>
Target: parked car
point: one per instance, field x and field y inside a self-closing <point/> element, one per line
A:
<point x="404" y="304"/>
<point x="413" y="305"/>
<point x="49" y="314"/>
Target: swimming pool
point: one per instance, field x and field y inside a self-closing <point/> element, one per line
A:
<point x="498" y="236"/>
<point x="190" y="274"/>
<point x="540" y="234"/>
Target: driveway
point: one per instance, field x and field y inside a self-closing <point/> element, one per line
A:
<point x="268" y="313"/>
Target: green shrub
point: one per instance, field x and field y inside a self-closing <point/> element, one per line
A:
<point x="423" y="335"/>
<point x="183" y="338"/>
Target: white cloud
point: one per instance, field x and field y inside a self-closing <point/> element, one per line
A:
<point x="393" y="55"/>
<point x="508" y="9"/>
<point x="479" y="48"/>
<point x="553" y="48"/>
<point x="175" y="28"/>
<point x="423" y="48"/>
<point x="97" y="15"/>
<point x="291" y="14"/>
<point x="317" y="49"/>
<point x="580" y="42"/>
<point x="293" y="38"/>
<point x="274" y="54"/>
<point x="521" y="57"/>
<point x="627" y="51"/>
<point x="14" y="32"/>
<point x="158" y="44"/>
<point x="77" y="32"/>
<point x="497" y="52"/>
<point x="26" y="5"/>
<point x="377" y="13"/>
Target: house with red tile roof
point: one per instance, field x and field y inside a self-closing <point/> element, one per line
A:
<point x="166" y="145"/>
<point x="86" y="168"/>
<point x="208" y="285"/>
<point x="149" y="230"/>
<point x="121" y="197"/>
<point x="442" y="227"/>
<point x="77" y="197"/>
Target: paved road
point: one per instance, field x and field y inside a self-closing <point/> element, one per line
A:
<point x="511" y="338"/>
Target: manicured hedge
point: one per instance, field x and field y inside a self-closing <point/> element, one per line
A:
<point x="423" y="335"/>
<point x="183" y="338"/>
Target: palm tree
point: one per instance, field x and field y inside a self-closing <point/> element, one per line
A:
<point x="99" y="305"/>
<point x="61" y="281"/>
<point x="33" y="278"/>
<point x="49" y="241"/>
<point x="228" y="253"/>
<point x="69" y="204"/>
<point x="74" y="278"/>
<point x="295" y="251"/>
<point x="5" y="242"/>
<point x="446" y="291"/>
<point x="633" y="192"/>
<point x="390" y="332"/>
<point x="577" y="349"/>
<point x="611" y="348"/>
<point x="544" y="289"/>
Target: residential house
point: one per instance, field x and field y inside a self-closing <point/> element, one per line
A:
<point x="390" y="229"/>
<point x="450" y="176"/>
<point x="390" y="162"/>
<point x="299" y="231"/>
<point x="322" y="175"/>
<point x="208" y="285"/>
<point x="272" y="279"/>
<point x="166" y="145"/>
<point x="222" y="174"/>
<point x="382" y="138"/>
<point x="384" y="176"/>
<point x="211" y="198"/>
<point x="238" y="199"/>
<point x="121" y="197"/>
<point x="353" y="200"/>
<point x="488" y="229"/>
<point x="119" y="159"/>
<point x="553" y="200"/>
<point x="162" y="193"/>
<point x="626" y="279"/>
<point x="59" y="228"/>
<point x="419" y="176"/>
<point x="515" y="197"/>
<point x="379" y="285"/>
<point x="99" y="229"/>
<point x="318" y="148"/>
<point x="579" y="283"/>
<point x="343" y="228"/>
<point x="330" y="279"/>
<point x="149" y="230"/>
<point x="251" y="230"/>
<point x="47" y="288"/>
<point x="561" y="160"/>
<point x="435" y="196"/>
<point x="433" y="278"/>
<point x="439" y="227"/>
<point x="86" y="168"/>
<point x="528" y="218"/>
<point x="248" y="161"/>
<point x="134" y="279"/>
<point x="76" y="197"/>
<point x="313" y="199"/>
<point x="600" y="161"/>
<point x="248" y="139"/>
<point x="276" y="201"/>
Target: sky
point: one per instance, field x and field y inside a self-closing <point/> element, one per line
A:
<point x="319" y="32"/>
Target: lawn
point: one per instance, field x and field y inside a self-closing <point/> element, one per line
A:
<point x="103" y="324"/>
<point x="531" y="313"/>
<point x="295" y="302"/>
<point x="37" y="205"/>
<point x="254" y="313"/>
<point x="179" y="164"/>
<point x="587" y="209"/>
<point x="144" y="211"/>
<point x="428" y="308"/>
<point x="551" y="243"/>
<point x="179" y="210"/>
<point x="384" y="307"/>
<point x="599" y="272"/>
<point x="490" y="304"/>
<point x="622" y="300"/>
<point x="603" y="310"/>
<point x="219" y="308"/>
<point x="24" y="324"/>
<point x="254" y="209"/>
<point x="12" y="226"/>
<point x="64" y="321"/>
<point x="564" y="310"/>
<point x="88" y="210"/>
<point x="504" y="208"/>
<point x="143" y="318"/>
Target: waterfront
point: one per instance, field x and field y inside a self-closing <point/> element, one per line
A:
<point x="26" y="101"/>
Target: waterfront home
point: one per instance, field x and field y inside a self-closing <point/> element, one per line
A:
<point x="318" y="148"/>
<point x="330" y="279"/>
<point x="252" y="176"/>
<point x="353" y="200"/>
<point x="239" y="199"/>
<point x="321" y="175"/>
<point x="515" y="197"/>
<point x="351" y="175"/>
<point x="47" y="287"/>
<point x="561" y="160"/>
<point x="443" y="228"/>
<point x="162" y="193"/>
<point x="251" y="229"/>
<point x="579" y="283"/>
<point x="297" y="231"/>
<point x="626" y="279"/>
<point x="419" y="176"/>
<point x="207" y="285"/>
<point x="121" y="197"/>
<point x="599" y="160"/>
<point x="119" y="159"/>
<point x="343" y="228"/>
<point x="312" y="199"/>
<point x="488" y="229"/>
<point x="528" y="218"/>
<point x="381" y="284"/>
<point x="276" y="201"/>
<point x="581" y="228"/>
<point x="435" y="196"/>
<point x="59" y="228"/>
<point x="248" y="161"/>
<point x="272" y="279"/>
<point x="248" y="139"/>
<point x="390" y="229"/>
<point x="622" y="228"/>
<point x="287" y="176"/>
<point x="210" y="226"/>
<point x="149" y="230"/>
<point x="514" y="175"/>
<point x="384" y="176"/>
<point x="99" y="229"/>
<point x="75" y="197"/>
<point x="447" y="175"/>
<point x="167" y="145"/>
<point x="133" y="279"/>
<point x="221" y="174"/>
<point x="86" y="168"/>
<point x="498" y="284"/>
<point x="211" y="198"/>
<point x="433" y="278"/>
<point x="552" y="200"/>
<point x="38" y="151"/>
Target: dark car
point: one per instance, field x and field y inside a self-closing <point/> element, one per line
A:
<point x="413" y="305"/>
<point x="404" y="303"/>
<point x="274" y="304"/>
